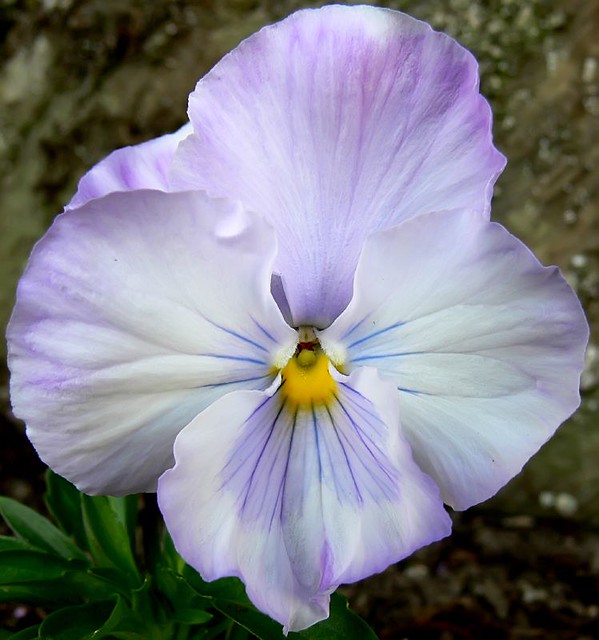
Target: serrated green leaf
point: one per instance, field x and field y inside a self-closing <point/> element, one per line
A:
<point x="82" y="622"/>
<point x="342" y="624"/>
<point x="64" y="503"/>
<point x="108" y="537"/>
<point x="37" y="530"/>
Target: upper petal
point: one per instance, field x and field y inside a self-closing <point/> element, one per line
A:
<point x="136" y="311"/>
<point x="333" y="123"/>
<point x="296" y="500"/>
<point x="142" y="166"/>
<point x="485" y="345"/>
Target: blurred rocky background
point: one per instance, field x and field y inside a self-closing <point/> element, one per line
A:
<point x="80" y="78"/>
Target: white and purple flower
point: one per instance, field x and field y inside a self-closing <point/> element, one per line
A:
<point x="302" y="292"/>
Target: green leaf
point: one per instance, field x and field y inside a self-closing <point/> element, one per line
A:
<point x="108" y="536"/>
<point x="214" y="631"/>
<point x="11" y="543"/>
<point x="170" y="557"/>
<point x="43" y="579"/>
<point x="236" y="632"/>
<point x="231" y="600"/>
<point x="192" y="616"/>
<point x="30" y="633"/>
<point x="64" y="502"/>
<point x="226" y="589"/>
<point x="82" y="622"/>
<point x="43" y="593"/>
<point x="123" y="623"/>
<point x="32" y="566"/>
<point x="342" y="624"/>
<point x="142" y="601"/>
<point x="255" y="622"/>
<point x="126" y="509"/>
<point x="37" y="530"/>
<point x="178" y="591"/>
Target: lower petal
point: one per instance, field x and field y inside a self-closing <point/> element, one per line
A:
<point x="297" y="500"/>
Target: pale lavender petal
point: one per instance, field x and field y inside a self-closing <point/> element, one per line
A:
<point x="334" y="123"/>
<point x="484" y="343"/>
<point x="136" y="311"/>
<point x="295" y="501"/>
<point x="142" y="166"/>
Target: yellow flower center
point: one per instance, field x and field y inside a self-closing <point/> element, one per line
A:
<point x="306" y="379"/>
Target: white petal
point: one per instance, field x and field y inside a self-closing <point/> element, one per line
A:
<point x="334" y="123"/>
<point x="295" y="501"/>
<point x="485" y="345"/>
<point x="136" y="311"/>
<point x="142" y="166"/>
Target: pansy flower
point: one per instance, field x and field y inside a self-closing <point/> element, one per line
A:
<point x="294" y="318"/>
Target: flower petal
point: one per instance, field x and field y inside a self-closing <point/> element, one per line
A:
<point x="295" y="501"/>
<point x="485" y="345"/>
<point x="142" y="166"/>
<point x="336" y="122"/>
<point x="136" y="311"/>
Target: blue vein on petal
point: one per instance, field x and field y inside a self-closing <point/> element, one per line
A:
<point x="221" y="356"/>
<point x="250" y="480"/>
<point x="363" y="436"/>
<point x="238" y="336"/>
<point x="248" y="485"/>
<point x="224" y="384"/>
<point x="264" y="331"/>
<point x="345" y="455"/>
<point x="388" y="355"/>
<point x="375" y="334"/>
<point x="258" y="469"/>
<point x="413" y="392"/>
<point x="355" y="326"/>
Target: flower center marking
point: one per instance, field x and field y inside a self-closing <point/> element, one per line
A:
<point x="306" y="377"/>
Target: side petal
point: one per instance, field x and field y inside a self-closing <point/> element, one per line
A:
<point x="142" y="166"/>
<point x="295" y="501"/>
<point x="136" y="311"/>
<point x="484" y="343"/>
<point x="334" y="123"/>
